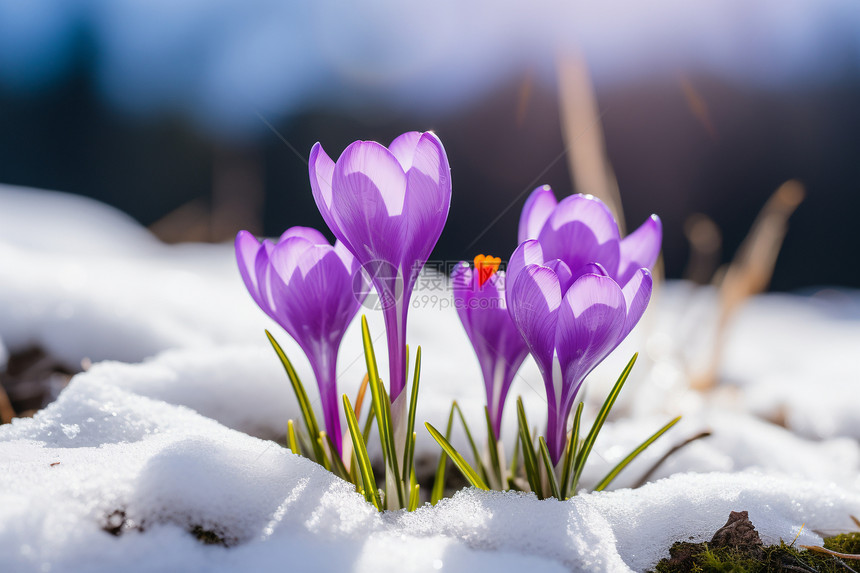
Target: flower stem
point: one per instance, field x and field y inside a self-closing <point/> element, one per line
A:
<point x="325" y="371"/>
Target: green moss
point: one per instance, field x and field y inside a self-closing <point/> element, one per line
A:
<point x="699" y="558"/>
<point x="844" y="543"/>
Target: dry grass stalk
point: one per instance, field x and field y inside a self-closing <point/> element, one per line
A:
<point x="751" y="269"/>
<point x="583" y="135"/>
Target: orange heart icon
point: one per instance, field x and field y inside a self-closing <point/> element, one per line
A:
<point x="486" y="266"/>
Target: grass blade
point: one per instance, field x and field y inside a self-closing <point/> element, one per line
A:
<point x="515" y="460"/>
<point x="570" y="453"/>
<point x="321" y="443"/>
<point x="468" y="471"/>
<point x="368" y="425"/>
<point x="547" y="464"/>
<point x="383" y="411"/>
<point x="337" y="462"/>
<point x="632" y="455"/>
<point x="493" y="446"/>
<point x="292" y="441"/>
<point x="409" y="451"/>
<point x="529" y="456"/>
<point x="302" y="397"/>
<point x="414" y="498"/>
<point x="582" y="456"/>
<point x="476" y="453"/>
<point x="438" y="490"/>
<point x="368" y="482"/>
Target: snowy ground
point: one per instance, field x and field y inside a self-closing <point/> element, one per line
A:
<point x="169" y="429"/>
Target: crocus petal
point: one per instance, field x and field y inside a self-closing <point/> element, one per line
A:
<point x="640" y="248"/>
<point x="533" y="306"/>
<point x="536" y="211"/>
<point x="369" y="190"/>
<point x="428" y="198"/>
<point x="528" y="253"/>
<point x="581" y="230"/>
<point x="463" y="290"/>
<point x="321" y="169"/>
<point x="369" y="172"/>
<point x="403" y="148"/>
<point x="246" y="256"/>
<point x="565" y="277"/>
<point x="590" y="319"/>
<point x="308" y="233"/>
<point x="595" y="269"/>
<point x="284" y="258"/>
<point x="322" y="283"/>
<point x="498" y="344"/>
<point x="266" y="279"/>
<point x="637" y="294"/>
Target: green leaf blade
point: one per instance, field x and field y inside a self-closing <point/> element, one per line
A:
<point x="529" y="455"/>
<point x="410" y="420"/>
<point x="369" y="482"/>
<point x="588" y="443"/>
<point x="302" y="397"/>
<point x="604" y="483"/>
<point x="438" y="490"/>
<point x="547" y="464"/>
<point x="468" y="471"/>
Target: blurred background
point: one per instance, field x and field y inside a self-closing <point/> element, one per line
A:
<point x="196" y="117"/>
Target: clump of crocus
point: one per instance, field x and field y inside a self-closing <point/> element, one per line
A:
<point x="574" y="293"/>
<point x="388" y="206"/>
<point x="569" y="324"/>
<point x="306" y="285"/>
<point x="479" y="298"/>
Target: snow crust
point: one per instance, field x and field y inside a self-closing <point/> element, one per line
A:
<point x="169" y="430"/>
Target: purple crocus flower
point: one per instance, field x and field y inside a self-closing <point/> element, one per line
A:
<point x="580" y="230"/>
<point x="576" y="292"/>
<point x="480" y="302"/>
<point x="388" y="206"/>
<point x="305" y="285"/>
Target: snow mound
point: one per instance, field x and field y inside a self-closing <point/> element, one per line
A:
<point x="105" y="479"/>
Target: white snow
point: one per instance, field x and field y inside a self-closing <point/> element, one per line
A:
<point x="168" y="469"/>
<point x="169" y="429"/>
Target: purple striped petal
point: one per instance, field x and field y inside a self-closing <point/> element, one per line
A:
<point x="637" y="294"/>
<point x="565" y="277"/>
<point x="463" y="289"/>
<point x="403" y="148"/>
<point x="533" y="306"/>
<point x="321" y="169"/>
<point x="265" y="277"/>
<point x="318" y="299"/>
<point x="247" y="247"/>
<point x="590" y="320"/>
<point x="284" y="258"/>
<point x="536" y="211"/>
<point x="307" y="233"/>
<point x="640" y="249"/>
<point x="528" y="253"/>
<point x="369" y="190"/>
<point x="581" y="230"/>
<point x="428" y="198"/>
